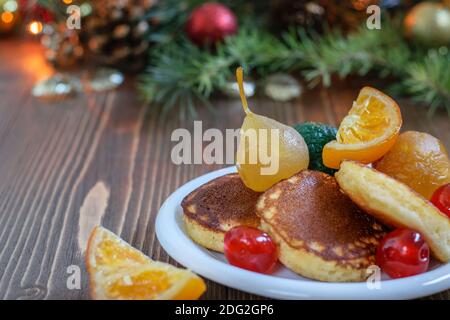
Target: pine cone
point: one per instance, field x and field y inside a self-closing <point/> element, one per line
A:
<point x="63" y="47"/>
<point x="116" y="32"/>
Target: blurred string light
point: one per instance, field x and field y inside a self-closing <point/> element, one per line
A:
<point x="35" y="27"/>
<point x="86" y="9"/>
<point x="7" y="17"/>
<point x="10" y="6"/>
<point x="8" y="14"/>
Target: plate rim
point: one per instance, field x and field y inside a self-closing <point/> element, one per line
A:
<point x="194" y="257"/>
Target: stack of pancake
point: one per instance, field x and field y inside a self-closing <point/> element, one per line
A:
<point x="218" y="206"/>
<point x="326" y="228"/>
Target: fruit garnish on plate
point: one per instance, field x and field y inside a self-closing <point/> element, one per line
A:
<point x="368" y="131"/>
<point x="251" y="249"/>
<point x="289" y="154"/>
<point x="403" y="253"/>
<point x="441" y="199"/>
<point x="117" y="271"/>
<point x="396" y="204"/>
<point x="316" y="136"/>
<point x="419" y="160"/>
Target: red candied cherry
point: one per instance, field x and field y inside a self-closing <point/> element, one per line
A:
<point x="250" y="249"/>
<point x="403" y="253"/>
<point x="441" y="199"/>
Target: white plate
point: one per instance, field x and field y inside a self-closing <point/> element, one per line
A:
<point x="283" y="284"/>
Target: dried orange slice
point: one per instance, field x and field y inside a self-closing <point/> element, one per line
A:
<point x="368" y="131"/>
<point x="117" y="271"/>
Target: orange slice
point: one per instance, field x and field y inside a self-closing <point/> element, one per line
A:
<point x="368" y="131"/>
<point x="117" y="271"/>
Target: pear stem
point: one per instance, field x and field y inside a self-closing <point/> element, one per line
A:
<point x="240" y="81"/>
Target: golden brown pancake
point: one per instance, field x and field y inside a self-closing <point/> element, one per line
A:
<point x="216" y="207"/>
<point x="396" y="204"/>
<point x="321" y="233"/>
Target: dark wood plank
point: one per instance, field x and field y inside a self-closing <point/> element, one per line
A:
<point x="105" y="158"/>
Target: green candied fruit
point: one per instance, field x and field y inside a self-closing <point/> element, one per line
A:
<point x="316" y="136"/>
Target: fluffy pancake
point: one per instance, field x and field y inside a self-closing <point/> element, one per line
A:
<point x="396" y="204"/>
<point x="320" y="232"/>
<point x="216" y="207"/>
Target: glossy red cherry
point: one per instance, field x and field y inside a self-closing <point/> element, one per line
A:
<point x="250" y="249"/>
<point x="403" y="253"/>
<point x="441" y="199"/>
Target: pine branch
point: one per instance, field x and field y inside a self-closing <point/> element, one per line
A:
<point x="181" y="73"/>
<point x="428" y="81"/>
<point x="318" y="57"/>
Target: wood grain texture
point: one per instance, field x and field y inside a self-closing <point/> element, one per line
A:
<point x="105" y="158"/>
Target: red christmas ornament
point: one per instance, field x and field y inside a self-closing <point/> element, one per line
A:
<point x="210" y="23"/>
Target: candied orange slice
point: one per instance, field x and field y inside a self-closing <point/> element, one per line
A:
<point x="118" y="271"/>
<point x="368" y="131"/>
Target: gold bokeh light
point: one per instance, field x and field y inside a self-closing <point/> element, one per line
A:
<point x="7" y="17"/>
<point x="35" y="27"/>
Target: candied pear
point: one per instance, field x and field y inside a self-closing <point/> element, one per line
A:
<point x="268" y="151"/>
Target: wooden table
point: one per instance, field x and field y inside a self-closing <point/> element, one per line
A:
<point x="104" y="158"/>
